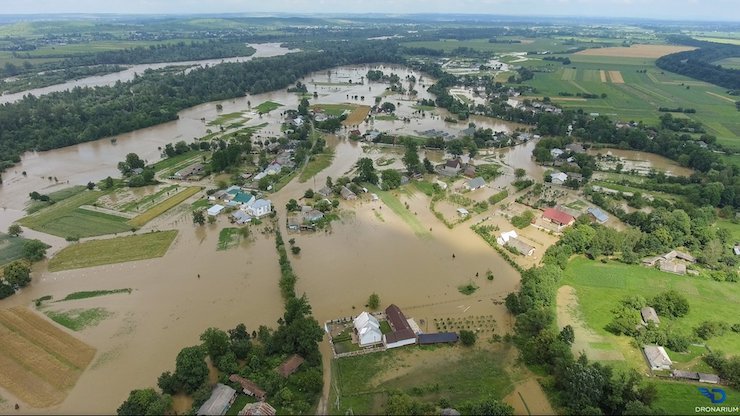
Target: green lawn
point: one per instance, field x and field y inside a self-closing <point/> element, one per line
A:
<point x="391" y="200"/>
<point x="435" y="374"/>
<point x="11" y="248"/>
<point x="113" y="250"/>
<point x="66" y="219"/>
<point x="601" y="286"/>
<point x="267" y="106"/>
<point x="316" y="164"/>
<point x="680" y="398"/>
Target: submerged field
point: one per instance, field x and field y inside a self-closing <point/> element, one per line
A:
<point x="113" y="250"/>
<point x="600" y="287"/>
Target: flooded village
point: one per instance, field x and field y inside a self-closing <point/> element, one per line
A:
<point x="441" y="251"/>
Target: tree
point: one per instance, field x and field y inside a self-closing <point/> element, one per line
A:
<point x="366" y="171"/>
<point x="467" y="338"/>
<point x="391" y="179"/>
<point x="373" y="302"/>
<point x="411" y="158"/>
<point x="34" y="250"/>
<point x="17" y="274"/>
<point x="191" y="370"/>
<point x="216" y="343"/>
<point x="198" y="217"/>
<point x="15" y="230"/>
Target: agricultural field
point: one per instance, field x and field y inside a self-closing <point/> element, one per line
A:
<point x="635" y="88"/>
<point x="361" y="384"/>
<point x="600" y="287"/>
<point x="11" y="248"/>
<point x="39" y="363"/>
<point x="67" y="219"/>
<point x="113" y="250"/>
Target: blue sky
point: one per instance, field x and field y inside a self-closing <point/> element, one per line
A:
<point x="726" y="10"/>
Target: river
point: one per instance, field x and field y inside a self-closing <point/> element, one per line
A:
<point x="370" y="250"/>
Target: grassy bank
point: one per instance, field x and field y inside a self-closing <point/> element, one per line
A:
<point x="601" y="286"/>
<point x="113" y="250"/>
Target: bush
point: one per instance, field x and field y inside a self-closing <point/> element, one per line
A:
<point x="468" y="337"/>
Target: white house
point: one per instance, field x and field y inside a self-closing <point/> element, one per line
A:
<point x="558" y="178"/>
<point x="259" y="208"/>
<point x="368" y="330"/>
<point x="215" y="210"/>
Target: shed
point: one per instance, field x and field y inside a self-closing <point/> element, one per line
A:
<point x="249" y="387"/>
<point x="215" y="210"/>
<point x="649" y="315"/>
<point x="598" y="215"/>
<point x="257" y="409"/>
<point x="657" y="357"/>
<point x="290" y="365"/>
<point x="221" y="399"/>
<point x="438" y="338"/>
<point x="475" y="183"/>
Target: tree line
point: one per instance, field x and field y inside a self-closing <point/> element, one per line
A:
<point x="84" y="114"/>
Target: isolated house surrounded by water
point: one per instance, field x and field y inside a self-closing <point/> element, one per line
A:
<point x="368" y="330"/>
<point x="221" y="399"/>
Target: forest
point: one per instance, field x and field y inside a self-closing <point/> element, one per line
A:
<point x="698" y="62"/>
<point x="84" y="114"/>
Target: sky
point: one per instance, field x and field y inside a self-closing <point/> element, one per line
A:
<point x="722" y="10"/>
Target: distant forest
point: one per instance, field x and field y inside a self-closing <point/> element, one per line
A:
<point x="84" y="114"/>
<point x="698" y="63"/>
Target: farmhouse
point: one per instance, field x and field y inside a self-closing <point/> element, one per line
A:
<point x="560" y="218"/>
<point x="438" y="338"/>
<point x="649" y="315"/>
<point x="249" y="387"/>
<point x="368" y="330"/>
<point x="657" y="357"/>
<point x="290" y="365"/>
<point x="474" y="184"/>
<point x="221" y="399"/>
<point x="558" y="178"/>
<point x="598" y="215"/>
<point x="260" y="208"/>
<point x="215" y="210"/>
<point x="402" y="333"/>
<point x="257" y="409"/>
<point x="520" y="246"/>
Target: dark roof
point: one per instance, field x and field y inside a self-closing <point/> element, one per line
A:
<point x="290" y="365"/>
<point x="437" y="338"/>
<point x="557" y="216"/>
<point x="396" y="318"/>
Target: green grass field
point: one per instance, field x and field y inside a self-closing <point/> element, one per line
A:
<point x="316" y="164"/>
<point x="267" y="106"/>
<point x="680" y="398"/>
<point x="426" y="374"/>
<point x="66" y="219"/>
<point x="601" y="286"/>
<point x="11" y="248"/>
<point x="113" y="250"/>
<point x="392" y="202"/>
<point x="164" y="206"/>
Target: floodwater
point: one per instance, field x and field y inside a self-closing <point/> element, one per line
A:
<point x="644" y="162"/>
<point x="262" y="50"/>
<point x="370" y="250"/>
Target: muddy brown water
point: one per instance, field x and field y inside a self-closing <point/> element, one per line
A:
<point x="170" y="306"/>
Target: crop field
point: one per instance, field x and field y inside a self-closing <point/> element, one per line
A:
<point x="11" y="248"/>
<point x="636" y="51"/>
<point x="113" y="250"/>
<point x="635" y="89"/>
<point x="164" y="206"/>
<point x="66" y="218"/>
<point x="600" y="287"/>
<point x="39" y="363"/>
<point x="357" y="116"/>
